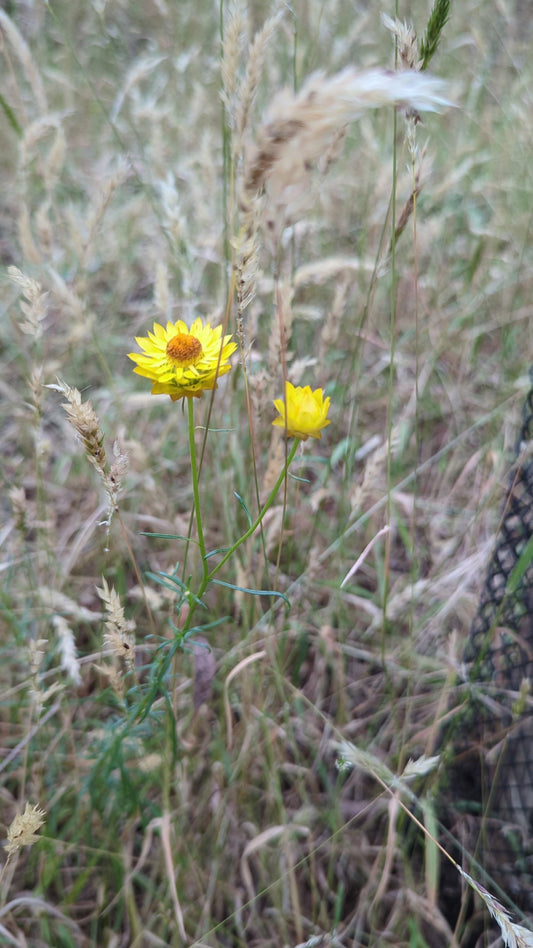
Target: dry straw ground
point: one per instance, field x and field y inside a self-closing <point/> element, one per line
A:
<point x="190" y="778"/>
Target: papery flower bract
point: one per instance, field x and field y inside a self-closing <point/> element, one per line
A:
<point x="183" y="362"/>
<point x="303" y="413"/>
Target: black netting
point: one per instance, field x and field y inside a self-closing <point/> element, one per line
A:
<point x="493" y="745"/>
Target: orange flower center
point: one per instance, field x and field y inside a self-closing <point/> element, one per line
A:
<point x="184" y="349"/>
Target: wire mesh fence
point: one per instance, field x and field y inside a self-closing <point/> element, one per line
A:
<point x="493" y="743"/>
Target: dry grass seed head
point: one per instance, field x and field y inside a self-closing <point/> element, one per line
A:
<point x="23" y="829"/>
<point x="115" y="679"/>
<point x="67" y="648"/>
<point x="406" y="41"/>
<point x="232" y="42"/>
<point x="36" y="307"/>
<point x="513" y="935"/>
<point x="301" y="126"/>
<point x="118" y="629"/>
<point x="85" y="422"/>
<point x="116" y="475"/>
<point x="37" y="649"/>
<point x="246" y="243"/>
<point x="246" y="268"/>
<point x="247" y="90"/>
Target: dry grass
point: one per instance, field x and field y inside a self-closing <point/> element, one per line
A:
<point x="192" y="794"/>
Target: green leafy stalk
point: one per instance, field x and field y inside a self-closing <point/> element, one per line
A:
<point x="208" y="576"/>
<point x="266" y="506"/>
<point x="196" y="493"/>
<point x="437" y="21"/>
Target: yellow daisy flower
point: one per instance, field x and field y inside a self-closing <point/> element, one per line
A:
<point x="303" y="413"/>
<point x="183" y="362"/>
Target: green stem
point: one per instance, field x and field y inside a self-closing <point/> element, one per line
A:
<point x="207" y="576"/>
<point x="262" y="513"/>
<point x="196" y="493"/>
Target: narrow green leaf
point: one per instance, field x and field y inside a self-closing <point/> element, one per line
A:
<point x="10" y="116"/>
<point x="244" y="507"/>
<point x="520" y="568"/>
<point x="252" y="592"/>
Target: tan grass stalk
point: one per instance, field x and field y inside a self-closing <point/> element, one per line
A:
<point x="141" y="68"/>
<point x="28" y="246"/>
<point x="331" y="326"/>
<point x="37" y="229"/>
<point x="33" y="134"/>
<point x="165" y="829"/>
<point x="233" y="673"/>
<point x="360" y="559"/>
<point x="100" y="204"/>
<point x="328" y="268"/>
<point x="390" y="850"/>
<point x="242" y="580"/>
<point x="79" y="322"/>
<point x="281" y="328"/>
<point x="259" y="842"/>
<point x="371" y="483"/>
<point x="43" y="227"/>
<point x="26" y="58"/>
<point x="53" y="163"/>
